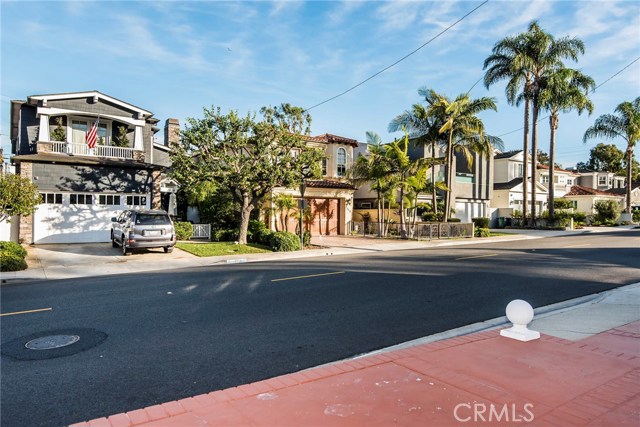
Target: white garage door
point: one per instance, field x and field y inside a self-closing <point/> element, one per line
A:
<point x="70" y="218"/>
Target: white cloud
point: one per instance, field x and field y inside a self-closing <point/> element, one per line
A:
<point x="398" y="15"/>
<point x="339" y="14"/>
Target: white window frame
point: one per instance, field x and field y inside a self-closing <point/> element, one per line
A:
<point x="83" y="197"/>
<point x="602" y="180"/>
<point x="142" y="200"/>
<point x="55" y="196"/>
<point x="545" y="179"/>
<point x="339" y="164"/>
<point x="89" y="121"/>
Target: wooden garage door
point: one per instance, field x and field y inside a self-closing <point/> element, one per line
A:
<point x="325" y="217"/>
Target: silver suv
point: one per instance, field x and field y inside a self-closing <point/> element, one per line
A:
<point x="142" y="229"/>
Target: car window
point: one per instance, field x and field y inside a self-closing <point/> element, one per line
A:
<point x="152" y="219"/>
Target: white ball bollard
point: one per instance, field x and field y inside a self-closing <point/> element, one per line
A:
<point x="520" y="313"/>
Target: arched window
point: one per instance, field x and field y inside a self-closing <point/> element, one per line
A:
<point x="342" y="162"/>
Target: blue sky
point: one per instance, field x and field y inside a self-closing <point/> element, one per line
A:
<point x="174" y="58"/>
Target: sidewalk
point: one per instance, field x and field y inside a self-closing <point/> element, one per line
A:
<point x="57" y="261"/>
<point x="578" y="374"/>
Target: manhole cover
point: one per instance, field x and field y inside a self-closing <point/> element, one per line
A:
<point x="52" y="341"/>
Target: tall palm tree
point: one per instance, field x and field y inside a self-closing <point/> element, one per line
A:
<point x="625" y="124"/>
<point x="562" y="91"/>
<point x="505" y="63"/>
<point x="461" y="126"/>
<point x="527" y="60"/>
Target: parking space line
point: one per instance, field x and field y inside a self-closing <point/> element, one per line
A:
<point x="476" y="256"/>
<point x="26" y="311"/>
<point x="310" y="275"/>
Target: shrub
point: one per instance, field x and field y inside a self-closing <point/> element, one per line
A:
<point x="225" y="235"/>
<point x="562" y="204"/>
<point x="306" y="238"/>
<point x="481" y="222"/>
<point x="607" y="211"/>
<point x="262" y="237"/>
<point x="184" y="230"/>
<point x="13" y="248"/>
<point x="636" y="216"/>
<point x="482" y="232"/>
<point x="429" y="217"/>
<point x="284" y="241"/>
<point x="11" y="262"/>
<point x="12" y="257"/>
<point x="455" y="220"/>
<point x="579" y="217"/>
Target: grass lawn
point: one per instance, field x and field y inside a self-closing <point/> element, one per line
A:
<point x="497" y="233"/>
<point x="221" y="248"/>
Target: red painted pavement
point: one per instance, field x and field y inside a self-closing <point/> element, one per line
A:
<point x="476" y="380"/>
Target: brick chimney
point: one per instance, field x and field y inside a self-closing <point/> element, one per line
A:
<point x="171" y="132"/>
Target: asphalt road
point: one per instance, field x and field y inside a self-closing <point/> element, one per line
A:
<point x="180" y="333"/>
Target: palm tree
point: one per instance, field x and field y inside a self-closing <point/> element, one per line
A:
<point x="424" y="129"/>
<point x="505" y="62"/>
<point x="526" y="60"/>
<point x="624" y="124"/>
<point x="562" y="91"/>
<point x="372" y="169"/>
<point x="463" y="129"/>
<point x="284" y="203"/>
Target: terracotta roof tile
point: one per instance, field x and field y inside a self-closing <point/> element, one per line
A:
<point x="578" y="190"/>
<point x="328" y="183"/>
<point x="329" y="138"/>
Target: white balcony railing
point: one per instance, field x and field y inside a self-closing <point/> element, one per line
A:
<point x="98" y="150"/>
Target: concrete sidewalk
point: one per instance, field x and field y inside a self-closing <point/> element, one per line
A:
<point x="57" y="261"/>
<point x="578" y="374"/>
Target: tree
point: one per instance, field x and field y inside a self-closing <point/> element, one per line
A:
<point x="464" y="130"/>
<point x="625" y="124"/>
<point x="525" y="60"/>
<point x="246" y="156"/>
<point x="121" y="140"/>
<point x="18" y="196"/>
<point x="606" y="157"/>
<point x="284" y="203"/>
<point x="374" y="170"/>
<point x="563" y="90"/>
<point x="58" y="133"/>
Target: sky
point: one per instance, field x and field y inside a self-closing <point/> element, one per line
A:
<point x="174" y="58"/>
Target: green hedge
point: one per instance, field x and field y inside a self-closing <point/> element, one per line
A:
<point x="184" y="230"/>
<point x="284" y="241"/>
<point x="481" y="222"/>
<point x="12" y="257"/>
<point x="455" y="220"/>
<point x="482" y="232"/>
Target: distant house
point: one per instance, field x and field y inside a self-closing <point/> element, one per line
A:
<point x="82" y="187"/>
<point x="508" y="186"/>
<point x="600" y="180"/>
<point x="585" y="198"/>
<point x="635" y="195"/>
<point x="563" y="179"/>
<point x="330" y="199"/>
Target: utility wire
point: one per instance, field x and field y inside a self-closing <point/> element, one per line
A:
<point x="399" y="60"/>
<point x="592" y="91"/>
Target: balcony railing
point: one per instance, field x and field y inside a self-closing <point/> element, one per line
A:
<point x="83" y="150"/>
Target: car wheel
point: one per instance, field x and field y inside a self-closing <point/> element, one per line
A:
<point x="114" y="244"/>
<point x="168" y="249"/>
<point x="125" y="251"/>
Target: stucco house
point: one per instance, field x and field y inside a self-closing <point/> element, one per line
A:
<point x="330" y="199"/>
<point x="563" y="179"/>
<point x="82" y="187"/>
<point x="585" y="198"/>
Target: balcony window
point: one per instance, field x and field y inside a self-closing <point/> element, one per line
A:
<point x="342" y="162"/>
<point x="79" y="132"/>
<point x="79" y="129"/>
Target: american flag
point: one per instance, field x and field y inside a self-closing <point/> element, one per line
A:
<point x="92" y="134"/>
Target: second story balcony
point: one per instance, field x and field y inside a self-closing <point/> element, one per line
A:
<point x="126" y="153"/>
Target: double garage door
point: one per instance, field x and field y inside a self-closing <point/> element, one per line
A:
<point x="324" y="219"/>
<point x="62" y="221"/>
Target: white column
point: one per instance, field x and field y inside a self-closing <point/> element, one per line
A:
<point x="137" y="138"/>
<point x="43" y="133"/>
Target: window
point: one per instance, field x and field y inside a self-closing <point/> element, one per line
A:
<point x="152" y="219"/>
<point x="602" y="180"/>
<point x="569" y="181"/>
<point x="79" y="129"/>
<point x="324" y="167"/>
<point x="137" y="200"/>
<point x="81" y="199"/>
<point x="109" y="199"/>
<point x="545" y="179"/>
<point x="365" y="205"/>
<point x="78" y="132"/>
<point x="51" y="198"/>
<point x="610" y="181"/>
<point x="342" y="162"/>
<point x="103" y="138"/>
<point x="518" y="170"/>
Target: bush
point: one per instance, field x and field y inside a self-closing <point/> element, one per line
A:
<point x="306" y="238"/>
<point x="284" y="241"/>
<point x="636" y="216"/>
<point x="482" y="232"/>
<point x="481" y="222"/>
<point x="607" y="211"/>
<point x="13" y="248"/>
<point x="562" y="204"/>
<point x="455" y="220"/>
<point x="429" y="217"/>
<point x="225" y="235"/>
<point x="12" y="257"/>
<point x="262" y="237"/>
<point x="579" y="217"/>
<point x="11" y="262"/>
<point x="184" y="230"/>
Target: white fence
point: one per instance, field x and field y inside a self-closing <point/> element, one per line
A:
<point x="201" y="231"/>
<point x="417" y="231"/>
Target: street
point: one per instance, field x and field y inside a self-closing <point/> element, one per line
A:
<point x="174" y="334"/>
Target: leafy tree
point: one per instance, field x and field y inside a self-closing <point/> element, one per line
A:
<point x="121" y="140"/>
<point x="58" y="133"/>
<point x="606" y="157"/>
<point x="625" y="124"/>
<point x="18" y="196"/>
<point x="246" y="156"/>
<point x="563" y="90"/>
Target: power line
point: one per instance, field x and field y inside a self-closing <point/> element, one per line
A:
<point x="592" y="91"/>
<point x="399" y="60"/>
